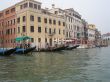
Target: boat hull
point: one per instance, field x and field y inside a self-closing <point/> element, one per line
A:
<point x="24" y="51"/>
<point x="54" y="49"/>
<point x="71" y="48"/>
<point x="7" y="52"/>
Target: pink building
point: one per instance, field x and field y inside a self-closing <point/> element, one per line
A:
<point x="8" y="27"/>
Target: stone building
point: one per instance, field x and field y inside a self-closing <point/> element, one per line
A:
<point x="42" y="26"/>
<point x="91" y="35"/>
<point x="27" y="18"/>
<point x="74" y="27"/>
<point x="8" y="27"/>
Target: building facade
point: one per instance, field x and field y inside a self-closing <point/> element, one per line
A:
<point x="85" y="36"/>
<point x="8" y="27"/>
<point x="106" y="39"/>
<point x="74" y="27"/>
<point x="98" y="38"/>
<point x="91" y="35"/>
<point x="42" y="26"/>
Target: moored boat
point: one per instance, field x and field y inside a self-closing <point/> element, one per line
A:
<point x="55" y="49"/>
<point x="72" y="47"/>
<point x="24" y="51"/>
<point x="4" y="52"/>
<point x="60" y="48"/>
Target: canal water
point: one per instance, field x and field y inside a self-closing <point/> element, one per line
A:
<point x="80" y="65"/>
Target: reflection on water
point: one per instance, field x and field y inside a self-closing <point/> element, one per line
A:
<point x="81" y="65"/>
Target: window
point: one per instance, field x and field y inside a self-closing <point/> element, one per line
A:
<point x="56" y="12"/>
<point x="59" y="31"/>
<point x="18" y="29"/>
<point x="50" y="21"/>
<point x="32" y="39"/>
<point x="2" y="23"/>
<point x="8" y="31"/>
<point x="32" y="28"/>
<point x="2" y="32"/>
<point x="77" y="28"/>
<point x="8" y="23"/>
<point x="45" y="20"/>
<point x="11" y="31"/>
<point x="1" y="14"/>
<point x="63" y="23"/>
<point x="14" y="30"/>
<point x="24" y="29"/>
<point x="69" y="19"/>
<point x="32" y="18"/>
<point x="49" y="30"/>
<point x="24" y="18"/>
<point x="35" y="6"/>
<point x="7" y="12"/>
<point x="45" y="30"/>
<point x="59" y="23"/>
<point x="39" y="19"/>
<point x="11" y="22"/>
<point x="31" y="5"/>
<point x="14" y="22"/>
<point x="39" y="7"/>
<point x="39" y="29"/>
<point x="63" y="32"/>
<point x="54" y="22"/>
<point x="25" y="5"/>
<point x="54" y="31"/>
<point x="39" y="39"/>
<point x="21" y="7"/>
<point x="13" y="10"/>
<point x="45" y="39"/>
<point x="18" y="20"/>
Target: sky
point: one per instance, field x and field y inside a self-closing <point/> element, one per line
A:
<point x="93" y="11"/>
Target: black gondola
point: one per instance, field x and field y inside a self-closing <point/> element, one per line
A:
<point x="71" y="48"/>
<point x="60" y="48"/>
<point x="54" y="49"/>
<point x="24" y="51"/>
<point x="7" y="52"/>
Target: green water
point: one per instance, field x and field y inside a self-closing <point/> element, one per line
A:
<point x="81" y="65"/>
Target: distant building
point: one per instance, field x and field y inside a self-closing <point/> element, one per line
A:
<point x="85" y="27"/>
<point x="91" y="35"/>
<point x="106" y="39"/>
<point x="98" y="38"/>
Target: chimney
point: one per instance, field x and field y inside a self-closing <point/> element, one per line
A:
<point x="53" y="6"/>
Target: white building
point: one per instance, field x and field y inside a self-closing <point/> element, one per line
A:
<point x="73" y="29"/>
<point x="91" y="35"/>
<point x="106" y="39"/>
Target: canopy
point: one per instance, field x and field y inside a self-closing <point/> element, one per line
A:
<point x="22" y="38"/>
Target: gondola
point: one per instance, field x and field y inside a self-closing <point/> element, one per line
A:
<point x="4" y="52"/>
<point x="60" y="48"/>
<point x="54" y="49"/>
<point x="71" y="48"/>
<point x="24" y="51"/>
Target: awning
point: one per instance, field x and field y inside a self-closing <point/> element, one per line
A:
<point x="22" y="38"/>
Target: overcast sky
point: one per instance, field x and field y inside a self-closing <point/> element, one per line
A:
<point x="94" y="11"/>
